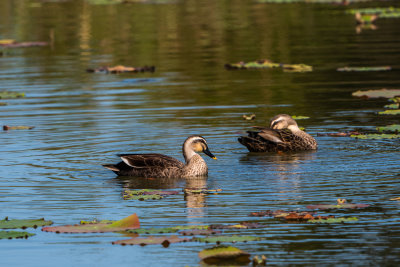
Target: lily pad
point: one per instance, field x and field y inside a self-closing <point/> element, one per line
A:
<point x="7" y="128"/>
<point x="385" y="93"/>
<point x="334" y="220"/>
<point x="300" y="117"/>
<point x="173" y="229"/>
<point x="199" y="232"/>
<point x="267" y="64"/>
<point x="345" y="134"/>
<point x="201" y="191"/>
<point x="382" y="12"/>
<point x="9" y="94"/>
<point x="390" y="128"/>
<point x="226" y="239"/>
<point x="14" y="234"/>
<point x="224" y="254"/>
<point x="152" y="240"/>
<point x="121" y="69"/>
<point x="363" y="69"/>
<point x="130" y="222"/>
<point x="392" y="106"/>
<point x="146" y="194"/>
<point x="390" y="112"/>
<point x="242" y="225"/>
<point x="23" y="224"/>
<point x="337" y="206"/>
<point x="376" y="136"/>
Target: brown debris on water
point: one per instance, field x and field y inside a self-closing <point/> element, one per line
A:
<point x="121" y="69"/>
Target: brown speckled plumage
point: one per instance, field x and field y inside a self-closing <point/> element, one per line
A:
<point x="158" y="165"/>
<point x="282" y="135"/>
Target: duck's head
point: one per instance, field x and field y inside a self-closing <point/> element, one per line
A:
<point x="196" y="143"/>
<point x="283" y="121"/>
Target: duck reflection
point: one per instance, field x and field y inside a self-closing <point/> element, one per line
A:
<point x="195" y="202"/>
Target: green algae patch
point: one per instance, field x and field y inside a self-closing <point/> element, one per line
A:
<point x="165" y="241"/>
<point x="392" y="106"/>
<point x="390" y="128"/>
<point x="384" y="93"/>
<point x="224" y="255"/>
<point x="147" y="194"/>
<point x="390" y="112"/>
<point x="14" y="234"/>
<point x="376" y="136"/>
<point x="23" y="224"/>
<point x="227" y="239"/>
<point x="267" y="64"/>
<point x="334" y="220"/>
<point x="130" y="222"/>
<point x="10" y="95"/>
<point x="364" y="69"/>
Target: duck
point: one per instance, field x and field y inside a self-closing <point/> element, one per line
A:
<point x="282" y="135"/>
<point x="162" y="166"/>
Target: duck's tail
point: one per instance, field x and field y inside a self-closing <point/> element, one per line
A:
<point x="111" y="167"/>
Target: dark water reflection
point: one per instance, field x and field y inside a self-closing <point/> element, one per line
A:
<point x="82" y="120"/>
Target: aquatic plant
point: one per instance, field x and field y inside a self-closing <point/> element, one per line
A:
<point x="14" y="234"/>
<point x="267" y="64"/>
<point x="364" y="69"/>
<point x="165" y="241"/>
<point x="224" y="254"/>
<point x="23" y="223"/>
<point x="384" y="93"/>
<point x="146" y="194"/>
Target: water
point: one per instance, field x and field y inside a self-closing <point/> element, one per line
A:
<point x="82" y="120"/>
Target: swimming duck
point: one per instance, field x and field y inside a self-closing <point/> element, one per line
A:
<point x="158" y="165"/>
<point x="282" y="135"/>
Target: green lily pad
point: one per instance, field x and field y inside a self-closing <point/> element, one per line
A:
<point x="23" y="224"/>
<point x="363" y="69"/>
<point x="146" y="194"/>
<point x="151" y="240"/>
<point x="173" y="229"/>
<point x="392" y="106"/>
<point x="334" y="220"/>
<point x="130" y="222"/>
<point x="226" y="239"/>
<point x="199" y="232"/>
<point x="267" y="64"/>
<point x="300" y="117"/>
<point x="390" y="112"/>
<point x="242" y="225"/>
<point x="389" y="128"/>
<point x="224" y="254"/>
<point x="8" y="95"/>
<point x="14" y="234"/>
<point x="385" y="93"/>
<point x="376" y="136"/>
<point x="201" y="191"/>
<point x="337" y="206"/>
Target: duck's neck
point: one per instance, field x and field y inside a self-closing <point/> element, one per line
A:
<point x="188" y="152"/>
<point x="195" y="166"/>
<point x="294" y="128"/>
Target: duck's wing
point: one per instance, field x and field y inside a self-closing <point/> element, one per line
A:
<point x="275" y="136"/>
<point x="150" y="161"/>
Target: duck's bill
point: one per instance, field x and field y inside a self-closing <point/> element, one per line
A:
<point x="208" y="153"/>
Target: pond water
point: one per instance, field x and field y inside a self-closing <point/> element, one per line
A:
<point x="82" y="120"/>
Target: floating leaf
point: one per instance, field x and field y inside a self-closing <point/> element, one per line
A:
<point x="7" y="128"/>
<point x="390" y="112"/>
<point x="385" y="93"/>
<point x="199" y="232"/>
<point x="9" y="94"/>
<point x="201" y="191"/>
<point x="22" y="44"/>
<point x="242" y="225"/>
<point x="173" y="229"/>
<point x="382" y="12"/>
<point x="249" y="117"/>
<point x="14" y="234"/>
<point x="152" y="240"/>
<point x="146" y="194"/>
<point x="226" y="239"/>
<point x="300" y="117"/>
<point x="224" y="254"/>
<point x="130" y="222"/>
<point x="396" y="198"/>
<point x="389" y="128"/>
<point x="395" y="99"/>
<point x="6" y="41"/>
<point x="267" y="64"/>
<point x="337" y="206"/>
<point x="346" y="134"/>
<point x="334" y="220"/>
<point x="392" y="106"/>
<point x="362" y="69"/>
<point x="121" y="69"/>
<point x="23" y="224"/>
<point x="376" y="136"/>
